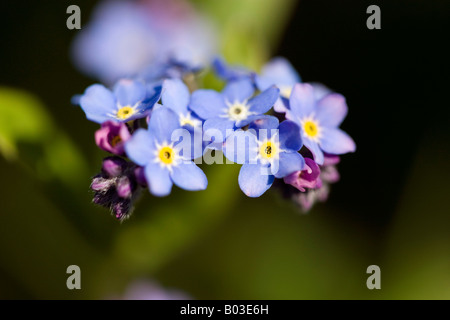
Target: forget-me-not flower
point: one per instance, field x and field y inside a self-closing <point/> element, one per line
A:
<point x="129" y="100"/>
<point x="161" y="158"/>
<point x="266" y="151"/>
<point x="281" y="73"/>
<point x="232" y="108"/>
<point x="319" y="121"/>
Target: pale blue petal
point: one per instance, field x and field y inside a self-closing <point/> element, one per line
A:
<point x="163" y="123"/>
<point x="241" y="147"/>
<point x="188" y="176"/>
<point x="336" y="141"/>
<point x="279" y="72"/>
<point x="145" y="107"/>
<point x="207" y="103"/>
<point x="264" y="101"/>
<point x="141" y="147"/>
<point x="175" y="95"/>
<point x="129" y="92"/>
<point x="158" y="179"/>
<point x="264" y="127"/>
<point x="320" y="90"/>
<point x="289" y="162"/>
<point x="250" y="119"/>
<point x="281" y="105"/>
<point x="302" y="101"/>
<point x="290" y="136"/>
<point x="315" y="150"/>
<point x="331" y="110"/>
<point x="220" y="128"/>
<point x="238" y="91"/>
<point x="97" y="102"/>
<point x="254" y="180"/>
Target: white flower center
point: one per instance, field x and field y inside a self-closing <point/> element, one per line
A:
<point x="237" y="111"/>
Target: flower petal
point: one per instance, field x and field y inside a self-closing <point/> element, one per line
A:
<point x="129" y="92"/>
<point x="279" y="71"/>
<point x="140" y="147"/>
<point x="289" y="162"/>
<point x="248" y="120"/>
<point x="219" y="128"/>
<point x="238" y="91"/>
<point x="264" y="127"/>
<point x="175" y="95"/>
<point x="302" y="102"/>
<point x="331" y="110"/>
<point x="264" y="101"/>
<point x="253" y="181"/>
<point x="188" y="176"/>
<point x="315" y="150"/>
<point x="207" y="103"/>
<point x="228" y="72"/>
<point x="336" y="141"/>
<point x="290" y="137"/>
<point x="241" y="147"/>
<point x="158" y="178"/>
<point x="97" y="102"/>
<point x="281" y="105"/>
<point x="163" y="123"/>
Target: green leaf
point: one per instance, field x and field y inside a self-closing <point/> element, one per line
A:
<point x="28" y="134"/>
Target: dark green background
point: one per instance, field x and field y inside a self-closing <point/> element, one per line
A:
<point x="390" y="207"/>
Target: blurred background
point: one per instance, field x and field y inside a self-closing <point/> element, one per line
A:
<point x="390" y="208"/>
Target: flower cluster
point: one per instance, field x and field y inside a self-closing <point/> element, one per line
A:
<point x="160" y="127"/>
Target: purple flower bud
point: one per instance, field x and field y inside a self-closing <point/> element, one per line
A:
<point x="330" y="159"/>
<point x="124" y="187"/>
<point x="121" y="209"/>
<point x="305" y="200"/>
<point x="113" y="166"/>
<point x="307" y="178"/>
<point x="329" y="174"/>
<point x="101" y="184"/>
<point x="112" y="136"/>
<point x="140" y="176"/>
<point x="104" y="199"/>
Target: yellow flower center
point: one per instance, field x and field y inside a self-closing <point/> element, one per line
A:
<point x="186" y="122"/>
<point x="166" y="155"/>
<point x="311" y="128"/>
<point x="124" y="113"/>
<point x="268" y="150"/>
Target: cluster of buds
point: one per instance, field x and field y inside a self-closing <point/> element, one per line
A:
<point x="118" y="186"/>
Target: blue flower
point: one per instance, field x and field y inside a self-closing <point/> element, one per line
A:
<point x="233" y="108"/>
<point x="125" y="37"/>
<point x="319" y="121"/>
<point x="118" y="42"/>
<point x="162" y="158"/>
<point x="268" y="150"/>
<point x="176" y="96"/>
<point x="128" y="101"/>
<point x="281" y="73"/>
